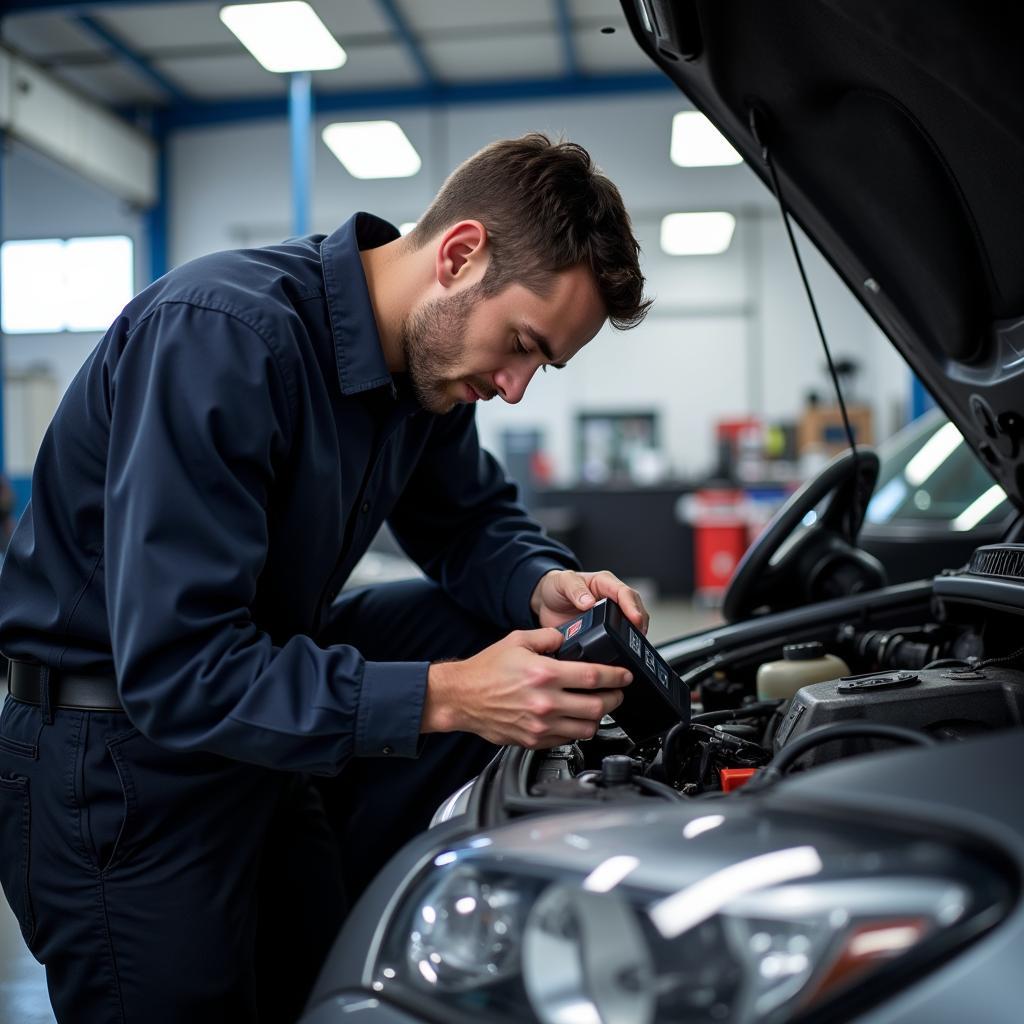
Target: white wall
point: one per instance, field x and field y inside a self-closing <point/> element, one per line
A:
<point x="42" y="199"/>
<point x="729" y="334"/>
<point x="45" y="200"/>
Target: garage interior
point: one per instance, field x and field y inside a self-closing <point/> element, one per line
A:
<point x="149" y="125"/>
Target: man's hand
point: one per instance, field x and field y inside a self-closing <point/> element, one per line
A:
<point x="562" y="594"/>
<point x="511" y="692"/>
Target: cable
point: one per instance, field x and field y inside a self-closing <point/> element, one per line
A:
<point x="810" y="297"/>
<point x="766" y="155"/>
<point x="825" y="734"/>
<point x="1004" y="660"/>
<point x="742" y="747"/>
<point x="762" y="709"/>
<point x="669" y="749"/>
<point x="657" y="788"/>
<point x="973" y="664"/>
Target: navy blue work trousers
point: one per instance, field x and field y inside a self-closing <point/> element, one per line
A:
<point x="162" y="888"/>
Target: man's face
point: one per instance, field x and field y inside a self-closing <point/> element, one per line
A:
<point x="464" y="347"/>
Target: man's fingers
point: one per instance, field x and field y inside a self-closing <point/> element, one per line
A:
<point x="577" y="728"/>
<point x="607" y="584"/>
<point x="581" y="675"/>
<point x="573" y="587"/>
<point x="592" y="707"/>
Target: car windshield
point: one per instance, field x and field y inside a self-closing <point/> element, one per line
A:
<point x="929" y="473"/>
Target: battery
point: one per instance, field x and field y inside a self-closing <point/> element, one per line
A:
<point x="657" y="698"/>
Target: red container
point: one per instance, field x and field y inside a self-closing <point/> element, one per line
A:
<point x="719" y="540"/>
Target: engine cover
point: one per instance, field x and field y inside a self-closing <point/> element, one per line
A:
<point x="949" y="703"/>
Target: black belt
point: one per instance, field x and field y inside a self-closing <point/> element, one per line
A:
<point x="67" y="690"/>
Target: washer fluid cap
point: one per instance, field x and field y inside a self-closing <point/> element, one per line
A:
<point x="803" y="652"/>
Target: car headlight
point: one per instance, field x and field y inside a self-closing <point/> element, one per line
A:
<point x="565" y="928"/>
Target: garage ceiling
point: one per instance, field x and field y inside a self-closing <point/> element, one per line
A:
<point x="179" y="54"/>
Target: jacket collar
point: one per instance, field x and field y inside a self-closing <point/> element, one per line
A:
<point x="357" y="346"/>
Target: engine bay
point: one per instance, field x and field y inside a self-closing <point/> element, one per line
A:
<point x="928" y="663"/>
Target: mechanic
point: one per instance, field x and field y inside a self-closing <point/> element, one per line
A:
<point x="183" y="660"/>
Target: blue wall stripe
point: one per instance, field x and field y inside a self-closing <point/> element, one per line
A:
<point x="920" y="397"/>
<point x="517" y="90"/>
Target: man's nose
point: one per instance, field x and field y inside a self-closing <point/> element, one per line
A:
<point x="512" y="384"/>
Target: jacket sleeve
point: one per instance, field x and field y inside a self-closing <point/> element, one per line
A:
<point x="461" y="520"/>
<point x="199" y="437"/>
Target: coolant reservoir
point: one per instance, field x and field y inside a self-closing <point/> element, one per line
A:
<point x="801" y="665"/>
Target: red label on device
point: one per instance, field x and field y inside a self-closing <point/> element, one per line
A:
<point x="573" y="629"/>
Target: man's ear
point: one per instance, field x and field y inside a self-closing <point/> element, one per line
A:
<point x="462" y="254"/>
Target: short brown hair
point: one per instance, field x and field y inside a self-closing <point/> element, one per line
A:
<point x="546" y="208"/>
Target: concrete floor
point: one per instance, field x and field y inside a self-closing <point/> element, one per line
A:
<point x="23" y="998"/>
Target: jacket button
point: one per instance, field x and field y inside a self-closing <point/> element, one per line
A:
<point x="366" y="506"/>
<point x="387" y="750"/>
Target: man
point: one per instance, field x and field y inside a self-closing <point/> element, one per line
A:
<point x="181" y="659"/>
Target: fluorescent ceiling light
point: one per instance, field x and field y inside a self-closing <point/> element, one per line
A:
<point x="696" y="142"/>
<point x="933" y="454"/>
<point x="677" y="914"/>
<point x="372" y="149"/>
<point x="979" y="508"/>
<point x="697" y="234"/>
<point x="284" y="36"/>
<point x="609" y="873"/>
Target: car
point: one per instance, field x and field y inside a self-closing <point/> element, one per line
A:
<point x="934" y="502"/>
<point x="830" y="826"/>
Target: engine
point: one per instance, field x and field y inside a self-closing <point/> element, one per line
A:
<point x="931" y="663"/>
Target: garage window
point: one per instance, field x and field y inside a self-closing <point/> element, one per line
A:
<point x="50" y="285"/>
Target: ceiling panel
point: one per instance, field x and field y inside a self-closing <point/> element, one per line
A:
<point x="113" y="84"/>
<point x="352" y="17"/>
<point x="609" y="54"/>
<point x="156" y="26"/>
<point x="462" y="40"/>
<point x="42" y="36"/>
<point x="610" y="10"/>
<point x="219" y="78"/>
<point x="508" y="55"/>
<point x="374" y="67"/>
<point x="434" y="16"/>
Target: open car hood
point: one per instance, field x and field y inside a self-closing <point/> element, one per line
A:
<point x="897" y="132"/>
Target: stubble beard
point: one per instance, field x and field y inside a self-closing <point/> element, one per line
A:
<point x="433" y="342"/>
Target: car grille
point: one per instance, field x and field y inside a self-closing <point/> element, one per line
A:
<point x="1005" y="560"/>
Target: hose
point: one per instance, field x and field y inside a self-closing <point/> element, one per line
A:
<point x="792" y="752"/>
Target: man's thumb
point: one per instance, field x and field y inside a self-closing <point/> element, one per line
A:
<point x="542" y="641"/>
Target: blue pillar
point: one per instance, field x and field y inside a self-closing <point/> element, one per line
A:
<point x="300" y="121"/>
<point x="156" y="216"/>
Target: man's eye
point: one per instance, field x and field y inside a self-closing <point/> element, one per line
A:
<point x="520" y="347"/>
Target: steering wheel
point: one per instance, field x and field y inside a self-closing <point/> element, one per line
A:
<point x="794" y="562"/>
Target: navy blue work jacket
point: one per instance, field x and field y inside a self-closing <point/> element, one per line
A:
<point x="214" y="472"/>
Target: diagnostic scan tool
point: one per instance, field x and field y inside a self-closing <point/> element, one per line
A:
<point x="657" y="698"/>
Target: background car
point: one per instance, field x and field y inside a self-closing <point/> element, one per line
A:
<point x="934" y="503"/>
